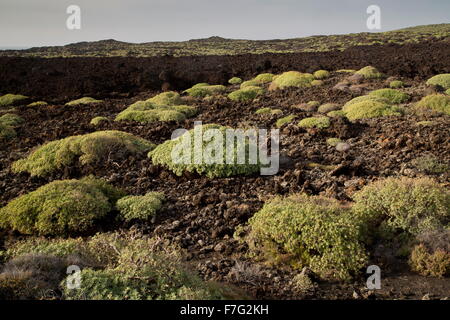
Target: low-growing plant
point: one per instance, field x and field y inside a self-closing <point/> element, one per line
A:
<point x="427" y="262"/>
<point x="292" y="79"/>
<point x="89" y="148"/>
<point x="85" y="100"/>
<point x="370" y="72"/>
<point x="391" y="95"/>
<point x="61" y="207"/>
<point x="442" y="80"/>
<point x="7" y="123"/>
<point x="249" y="83"/>
<point x="430" y="164"/>
<point x="408" y="205"/>
<point x="396" y="84"/>
<point x="328" y="107"/>
<point x="98" y="120"/>
<point x="266" y="110"/>
<point x="333" y="141"/>
<point x="38" y="104"/>
<point x="315" y="122"/>
<point x="264" y="78"/>
<point x="235" y="80"/>
<point x="140" y="207"/>
<point x="447" y="92"/>
<point x="169" y="98"/>
<point x="246" y="94"/>
<point x="434" y="102"/>
<point x="370" y="108"/>
<point x="285" y="120"/>
<point x="336" y="113"/>
<point x="205" y="91"/>
<point x="12" y="99"/>
<point x="321" y="74"/>
<point x="317" y="83"/>
<point x="186" y="159"/>
<point x="308" y="231"/>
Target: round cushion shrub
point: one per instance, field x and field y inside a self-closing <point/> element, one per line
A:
<point x="205" y="90"/>
<point x="81" y="101"/>
<point x="310" y="231"/>
<point x="38" y="104"/>
<point x="435" y="263"/>
<point x="408" y="205"/>
<point x="370" y="108"/>
<point x="169" y="98"/>
<point x="370" y="72"/>
<point x="328" y="107"/>
<point x="87" y="149"/>
<point x="98" y="120"/>
<point x="391" y="95"/>
<point x="12" y="99"/>
<point x="179" y="155"/>
<point x="442" y="80"/>
<point x="285" y="120"/>
<point x="396" y="84"/>
<point x="321" y="74"/>
<point x="246" y="94"/>
<point x="292" y="79"/>
<point x="235" y="80"/>
<point x="62" y="207"/>
<point x="264" y="78"/>
<point x="140" y="207"/>
<point x="315" y="122"/>
<point x="434" y="102"/>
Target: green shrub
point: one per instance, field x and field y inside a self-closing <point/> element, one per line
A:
<point x="425" y="123"/>
<point x="205" y="91"/>
<point x="169" y="98"/>
<point x="146" y="111"/>
<point x="246" y="94"/>
<point x="292" y="79"/>
<point x="285" y="120"/>
<point x="38" y="104"/>
<point x="370" y="72"/>
<point x="435" y="102"/>
<point x="328" y="107"/>
<point x="145" y="270"/>
<point x="140" y="207"/>
<point x="435" y="263"/>
<point x="336" y="113"/>
<point x="391" y="95"/>
<point x="185" y="158"/>
<point x="346" y="71"/>
<point x="333" y="141"/>
<point x="98" y="120"/>
<point x="447" y="92"/>
<point x="7" y="123"/>
<point x="430" y="164"/>
<point x="315" y="122"/>
<point x="61" y="207"/>
<point x="85" y="100"/>
<point x="308" y="231"/>
<point x="370" y="109"/>
<point x="321" y="74"/>
<point x="264" y="111"/>
<point x="403" y="204"/>
<point x="442" y="80"/>
<point x="249" y="83"/>
<point x="12" y="99"/>
<point x="396" y="84"/>
<point x="89" y="148"/>
<point x="235" y="80"/>
<point x="264" y="78"/>
<point x="317" y="83"/>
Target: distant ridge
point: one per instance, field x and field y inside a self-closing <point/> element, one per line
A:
<point x="216" y="45"/>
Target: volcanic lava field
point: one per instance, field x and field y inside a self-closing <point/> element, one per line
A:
<point x="370" y="183"/>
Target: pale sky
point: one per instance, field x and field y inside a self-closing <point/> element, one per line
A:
<point x="43" y="22"/>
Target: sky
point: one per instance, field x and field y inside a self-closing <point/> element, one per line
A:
<point x="29" y="23"/>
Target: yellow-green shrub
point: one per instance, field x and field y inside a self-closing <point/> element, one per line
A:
<point x="85" y="100"/>
<point x="315" y="122"/>
<point x="370" y="108"/>
<point x="442" y="80"/>
<point x="321" y="74"/>
<point x="169" y="98"/>
<point x="430" y="263"/>
<point x="38" y="104"/>
<point x="88" y="148"/>
<point x="403" y="204"/>
<point x="98" y="120"/>
<point x="7" y="123"/>
<point x="61" y="207"/>
<point x="12" y="99"/>
<point x="292" y="79"/>
<point x="246" y="94"/>
<point x="396" y="84"/>
<point x="308" y="231"/>
<point x="391" y="95"/>
<point x="282" y="121"/>
<point x="162" y="155"/>
<point x="235" y="80"/>
<point x="435" y="102"/>
<point x="140" y="207"/>
<point x="369" y="72"/>
<point x="205" y="91"/>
